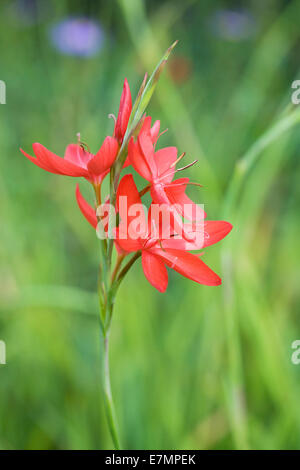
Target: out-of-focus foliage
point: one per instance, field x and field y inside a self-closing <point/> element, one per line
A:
<point x="197" y="367"/>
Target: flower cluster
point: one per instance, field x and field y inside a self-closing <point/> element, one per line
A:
<point x="170" y="231"/>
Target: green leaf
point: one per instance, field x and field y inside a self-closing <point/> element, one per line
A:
<point x="141" y="105"/>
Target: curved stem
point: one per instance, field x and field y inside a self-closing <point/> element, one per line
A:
<point x="114" y="288"/>
<point x="128" y="266"/>
<point x="117" y="267"/>
<point x="108" y="399"/>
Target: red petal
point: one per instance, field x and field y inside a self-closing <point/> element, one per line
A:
<point x="146" y="127"/>
<point x="105" y="157"/>
<point x="138" y="161"/>
<point x="159" y="196"/>
<point x="127" y="196"/>
<point x="76" y="154"/>
<point x="57" y="164"/>
<point x="176" y="194"/>
<point x="161" y="222"/>
<point x="124" y="112"/>
<point x="146" y="146"/>
<point x="125" y="243"/>
<point x="119" y="249"/>
<point x="190" y="266"/>
<point x="88" y="212"/>
<point x="127" y="187"/>
<point x="155" y="131"/>
<point x="215" y="230"/>
<point x="127" y="162"/>
<point x="155" y="271"/>
<point x="38" y="163"/>
<point x="164" y="158"/>
<point x="209" y="233"/>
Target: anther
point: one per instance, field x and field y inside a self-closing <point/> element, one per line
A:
<point x="82" y="144"/>
<point x="187" y="166"/>
<point x="113" y="117"/>
<point x="178" y="160"/>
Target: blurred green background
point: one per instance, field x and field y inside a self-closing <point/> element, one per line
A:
<point x="197" y="367"/>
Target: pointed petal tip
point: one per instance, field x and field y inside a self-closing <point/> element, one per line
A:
<point x="228" y="226"/>
<point x="214" y="282"/>
<point x="125" y="108"/>
<point x="87" y="211"/>
<point x="126" y="87"/>
<point x="161" y="290"/>
<point x="36" y="144"/>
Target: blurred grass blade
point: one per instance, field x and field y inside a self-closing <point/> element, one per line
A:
<point x="244" y="165"/>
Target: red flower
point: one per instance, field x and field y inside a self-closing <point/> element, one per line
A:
<point x="159" y="168"/>
<point x="159" y="253"/>
<point x="159" y="249"/>
<point x="124" y="113"/>
<point x="77" y="161"/>
<point x="152" y="131"/>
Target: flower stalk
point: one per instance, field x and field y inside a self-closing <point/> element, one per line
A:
<point x="106" y="386"/>
<point x="158" y="243"/>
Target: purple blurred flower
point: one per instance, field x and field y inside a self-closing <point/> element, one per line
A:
<point x="233" y="25"/>
<point x="77" y="36"/>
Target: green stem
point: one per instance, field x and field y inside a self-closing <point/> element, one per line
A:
<point x="126" y="269"/>
<point x="108" y="399"/>
<point x="117" y="267"/>
<point x="114" y="288"/>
